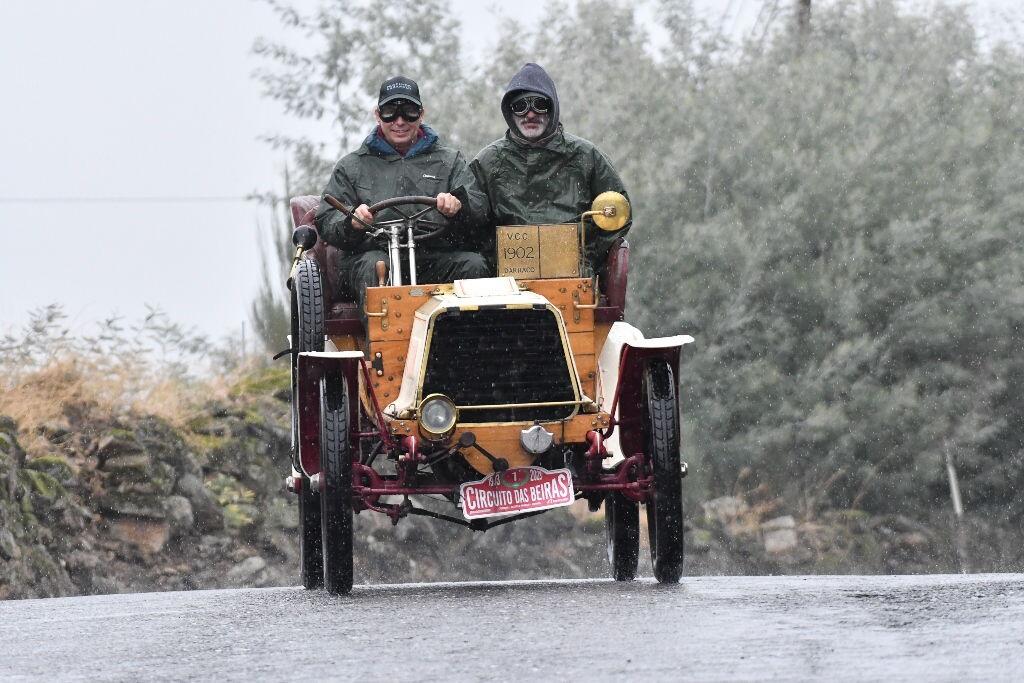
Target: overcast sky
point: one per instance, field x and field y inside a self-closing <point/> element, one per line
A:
<point x="108" y="99"/>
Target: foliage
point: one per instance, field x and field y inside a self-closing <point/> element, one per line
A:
<point x="51" y="372"/>
<point x="270" y="309"/>
<point x="833" y="216"/>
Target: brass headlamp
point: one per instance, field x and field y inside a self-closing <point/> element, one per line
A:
<point x="437" y="417"/>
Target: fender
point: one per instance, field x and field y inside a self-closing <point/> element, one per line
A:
<point x="621" y="365"/>
<point x="314" y="367"/>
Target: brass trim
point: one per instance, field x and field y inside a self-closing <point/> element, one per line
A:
<point x="577" y="306"/>
<point x="295" y="262"/>
<point x="427" y="433"/>
<point x="545" y="404"/>
<point x="574" y="373"/>
<point x="382" y="314"/>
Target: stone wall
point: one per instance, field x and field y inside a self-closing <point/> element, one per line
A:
<point x="108" y="504"/>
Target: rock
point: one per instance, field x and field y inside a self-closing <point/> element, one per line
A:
<point x="780" y="542"/>
<point x="55" y="431"/>
<point x="149" y="535"/>
<point x="725" y="509"/>
<point x="83" y="567"/>
<point x="914" y="540"/>
<point x="213" y="546"/>
<point x="784" y="522"/>
<point x="135" y="462"/>
<point x="132" y="504"/>
<point x="207" y="513"/>
<point x="248" y="572"/>
<point x="179" y="514"/>
<point x="280" y="512"/>
<point x="8" y="424"/>
<point x="112" y="445"/>
<point x="698" y="541"/>
<point x="184" y="462"/>
<point x="9" y="549"/>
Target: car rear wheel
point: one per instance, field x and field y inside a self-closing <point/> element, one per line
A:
<point x="665" y="508"/>
<point x="307" y="334"/>
<point x="336" y="486"/>
<point x="622" y="529"/>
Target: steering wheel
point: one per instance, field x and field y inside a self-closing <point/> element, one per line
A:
<point x="423" y="228"/>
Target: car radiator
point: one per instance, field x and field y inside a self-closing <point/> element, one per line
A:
<point x="500" y="356"/>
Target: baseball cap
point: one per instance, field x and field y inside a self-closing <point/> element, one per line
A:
<point x="399" y="88"/>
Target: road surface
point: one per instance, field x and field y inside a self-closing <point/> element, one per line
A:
<point x="932" y="628"/>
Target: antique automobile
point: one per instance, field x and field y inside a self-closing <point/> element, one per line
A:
<point x="479" y="402"/>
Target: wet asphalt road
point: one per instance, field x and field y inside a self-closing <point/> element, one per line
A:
<point x="710" y="628"/>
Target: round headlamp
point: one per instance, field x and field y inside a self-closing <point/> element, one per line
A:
<point x="437" y="417"/>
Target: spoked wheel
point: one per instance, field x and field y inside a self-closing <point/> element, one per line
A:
<point x="622" y="529"/>
<point x="307" y="331"/>
<point x="336" y="492"/>
<point x="665" y="508"/>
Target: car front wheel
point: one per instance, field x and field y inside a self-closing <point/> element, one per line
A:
<point x="665" y="508"/>
<point x="336" y="486"/>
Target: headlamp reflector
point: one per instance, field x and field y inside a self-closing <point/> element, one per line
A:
<point x="437" y="417"/>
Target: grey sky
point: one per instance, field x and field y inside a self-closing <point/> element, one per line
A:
<point x="124" y="98"/>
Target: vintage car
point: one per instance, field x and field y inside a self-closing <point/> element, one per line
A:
<point x="501" y="397"/>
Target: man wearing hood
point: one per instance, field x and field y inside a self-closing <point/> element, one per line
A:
<point x="401" y="157"/>
<point x="538" y="174"/>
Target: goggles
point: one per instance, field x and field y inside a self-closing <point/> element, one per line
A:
<point x="392" y="110"/>
<point x="538" y="104"/>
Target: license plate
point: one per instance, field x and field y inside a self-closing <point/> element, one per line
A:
<point x="522" y="489"/>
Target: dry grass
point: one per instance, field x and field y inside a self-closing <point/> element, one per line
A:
<point x="52" y="375"/>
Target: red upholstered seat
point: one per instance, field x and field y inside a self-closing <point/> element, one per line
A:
<point x="342" y="316"/>
<point x="612" y="303"/>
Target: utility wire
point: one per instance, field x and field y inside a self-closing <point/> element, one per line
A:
<point x="124" y="200"/>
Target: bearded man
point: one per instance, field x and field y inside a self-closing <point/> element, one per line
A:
<point x="537" y="173"/>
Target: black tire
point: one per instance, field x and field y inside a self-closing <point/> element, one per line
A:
<point x="336" y="494"/>
<point x="307" y="331"/>
<point x="311" y="556"/>
<point x="622" y="530"/>
<point x="665" y="509"/>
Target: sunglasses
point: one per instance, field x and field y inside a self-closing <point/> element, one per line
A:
<point x="540" y="105"/>
<point x="392" y="110"/>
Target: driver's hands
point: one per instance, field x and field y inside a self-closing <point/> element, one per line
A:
<point x="362" y="212"/>
<point x="448" y="204"/>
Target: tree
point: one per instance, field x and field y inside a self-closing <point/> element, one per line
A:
<point x="833" y="219"/>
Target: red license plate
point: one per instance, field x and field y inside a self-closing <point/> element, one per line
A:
<point x="523" y="489"/>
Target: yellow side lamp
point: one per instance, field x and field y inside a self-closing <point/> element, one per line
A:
<point x="609" y="211"/>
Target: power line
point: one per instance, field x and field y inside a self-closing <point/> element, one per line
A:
<point x="125" y="200"/>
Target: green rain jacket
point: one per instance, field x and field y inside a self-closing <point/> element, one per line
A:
<point x="376" y="172"/>
<point x="552" y="180"/>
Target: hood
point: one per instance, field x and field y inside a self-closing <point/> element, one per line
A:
<point x="534" y="78"/>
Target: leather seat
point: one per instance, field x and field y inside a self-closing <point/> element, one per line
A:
<point x="342" y="316"/>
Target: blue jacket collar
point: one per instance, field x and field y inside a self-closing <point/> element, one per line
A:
<point x="378" y="145"/>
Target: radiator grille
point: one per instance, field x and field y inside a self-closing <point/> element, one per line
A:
<point x="493" y="356"/>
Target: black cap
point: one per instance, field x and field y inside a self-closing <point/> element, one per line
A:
<point x="399" y="88"/>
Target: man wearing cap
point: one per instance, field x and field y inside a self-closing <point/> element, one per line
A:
<point x="401" y="157"/>
<point x="538" y="174"/>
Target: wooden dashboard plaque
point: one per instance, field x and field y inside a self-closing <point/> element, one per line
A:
<point x="536" y="252"/>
